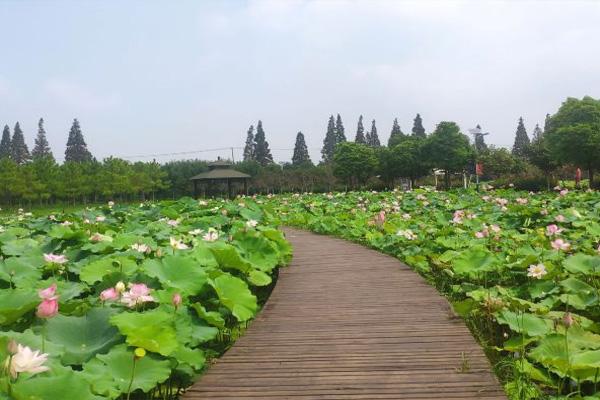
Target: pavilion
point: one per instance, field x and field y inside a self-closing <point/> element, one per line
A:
<point x="219" y="178"/>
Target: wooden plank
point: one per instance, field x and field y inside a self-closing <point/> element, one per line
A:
<point x="348" y="323"/>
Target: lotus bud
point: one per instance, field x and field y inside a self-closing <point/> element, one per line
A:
<point x="12" y="347"/>
<point x="139" y="353"/>
<point x="568" y="320"/>
<point x="176" y="300"/>
<point x="120" y="287"/>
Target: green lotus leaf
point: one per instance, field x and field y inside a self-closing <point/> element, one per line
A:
<point x="83" y="337"/>
<point x="177" y="272"/>
<point x="529" y="324"/>
<point x="474" y="262"/>
<point x="193" y="357"/>
<point x="552" y="352"/>
<point x="21" y="271"/>
<point x="21" y="247"/>
<point x="212" y="317"/>
<point x="149" y="371"/>
<point x="14" y="303"/>
<point x="152" y="330"/>
<point x="229" y="257"/>
<point x="64" y="386"/>
<point x="262" y="253"/>
<point x="259" y="278"/>
<point x="96" y="270"/>
<point x="235" y="295"/>
<point x="583" y="264"/>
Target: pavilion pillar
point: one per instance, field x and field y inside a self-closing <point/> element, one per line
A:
<point x="228" y="188"/>
<point x="195" y="189"/>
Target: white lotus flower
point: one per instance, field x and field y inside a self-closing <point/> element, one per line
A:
<point x="195" y="232"/>
<point x="27" y="360"/>
<point x="251" y="223"/>
<point x="211" y="235"/>
<point x="178" y="244"/>
<point x="141" y="247"/>
<point x="536" y="271"/>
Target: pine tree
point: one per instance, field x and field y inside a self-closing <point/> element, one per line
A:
<point x="41" y="148"/>
<point x="330" y="141"/>
<point x="301" y="156"/>
<point x="396" y="134"/>
<point x="5" y="147"/>
<point x="249" y="148"/>
<point x="537" y="133"/>
<point x="262" y="154"/>
<point x="360" y="132"/>
<point x="480" y="145"/>
<point x="77" y="150"/>
<point x="521" y="145"/>
<point x="340" y="132"/>
<point x="418" y="129"/>
<point x="19" y="151"/>
<point x="372" y="137"/>
<point x="547" y="123"/>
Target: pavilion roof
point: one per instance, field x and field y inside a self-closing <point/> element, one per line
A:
<point x="221" y="173"/>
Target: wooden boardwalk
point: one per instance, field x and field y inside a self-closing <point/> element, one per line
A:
<point x="345" y="322"/>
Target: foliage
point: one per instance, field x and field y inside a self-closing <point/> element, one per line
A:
<point x="574" y="134"/>
<point x="18" y="147"/>
<point x="521" y="145"/>
<point x="354" y="163"/>
<point x="105" y="347"/>
<point x="448" y="149"/>
<point x="396" y="135"/>
<point x="249" y="146"/>
<point x="360" y="132"/>
<point x="41" y="148"/>
<point x="5" y="149"/>
<point x="301" y="156"/>
<point x="77" y="150"/>
<point x="417" y="129"/>
<point x="372" y="138"/>
<point x="330" y="141"/>
<point x="340" y="132"/>
<point x="262" y="153"/>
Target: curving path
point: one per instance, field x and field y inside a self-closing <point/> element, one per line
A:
<point x="345" y="322"/>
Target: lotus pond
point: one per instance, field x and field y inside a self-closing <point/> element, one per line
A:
<point x="523" y="269"/>
<point x="128" y="302"/>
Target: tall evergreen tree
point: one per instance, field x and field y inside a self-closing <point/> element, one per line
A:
<point x="340" y="132"/>
<point x="396" y="135"/>
<point x="41" y="148"/>
<point x="301" y="156"/>
<point x="19" y="151"/>
<point x="521" y="145"/>
<point x="262" y="153"/>
<point x="537" y="133"/>
<point x="330" y="141"/>
<point x="372" y="137"/>
<point x="417" y="129"/>
<point x="360" y="132"/>
<point x="480" y="145"/>
<point x="5" y="147"/>
<point x="77" y="150"/>
<point x="249" y="147"/>
<point x="547" y="123"/>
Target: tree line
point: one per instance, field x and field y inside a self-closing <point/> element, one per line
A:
<point x="570" y="138"/>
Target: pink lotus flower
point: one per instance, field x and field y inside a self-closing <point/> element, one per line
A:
<point x="552" y="230"/>
<point x="560" y="218"/>
<point x="109" y="294"/>
<point x="521" y="201"/>
<point x="564" y="192"/>
<point x="560" y="244"/>
<point x="379" y="219"/>
<point x="176" y="300"/>
<point x="458" y="216"/>
<point x="172" y="222"/>
<point x="48" y="308"/>
<point x="495" y="228"/>
<point x="481" y="234"/>
<point x="138" y="293"/>
<point x="100" y="218"/>
<point x="48" y="293"/>
<point x="211" y="236"/>
<point x="55" y="258"/>
<point x="27" y="360"/>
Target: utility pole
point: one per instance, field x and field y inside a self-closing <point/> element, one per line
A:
<point x="476" y="132"/>
<point x="232" y="157"/>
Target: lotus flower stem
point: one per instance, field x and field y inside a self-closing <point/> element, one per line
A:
<point x="132" y="376"/>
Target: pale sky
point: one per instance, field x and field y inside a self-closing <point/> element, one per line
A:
<point x="148" y="77"/>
